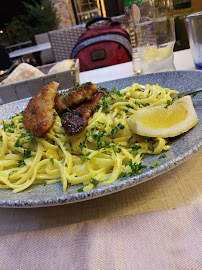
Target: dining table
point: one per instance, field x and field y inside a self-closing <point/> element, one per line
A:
<point x="29" y="50"/>
<point x="155" y="225"/>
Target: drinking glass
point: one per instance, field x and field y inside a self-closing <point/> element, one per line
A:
<point x="155" y="34"/>
<point x="193" y="24"/>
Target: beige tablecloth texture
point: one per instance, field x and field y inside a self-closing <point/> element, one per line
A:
<point x="164" y="240"/>
<point x="124" y="230"/>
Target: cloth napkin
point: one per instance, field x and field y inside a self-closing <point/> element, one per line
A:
<point x="167" y="239"/>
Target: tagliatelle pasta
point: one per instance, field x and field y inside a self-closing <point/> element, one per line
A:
<point x="103" y="152"/>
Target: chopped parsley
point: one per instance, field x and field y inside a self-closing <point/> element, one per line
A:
<point x="27" y="154"/>
<point x="136" y="168"/>
<point x="116" y="129"/>
<point x="51" y="160"/>
<point x="152" y="149"/>
<point x="155" y="164"/>
<point x="83" y="158"/>
<point x="193" y="95"/>
<point x="98" y="138"/>
<point x="115" y="92"/>
<point x="9" y="127"/>
<point x="100" y="90"/>
<point x="57" y="136"/>
<point x="17" y="114"/>
<point x="77" y="85"/>
<point x="105" y="105"/>
<point x="130" y="138"/>
<point x="135" y="147"/>
<point x="129" y="106"/>
<point x="162" y="156"/>
<point x="169" y="102"/>
<point x="140" y="104"/>
<point x="94" y="181"/>
<point x="26" y="137"/>
<point x="122" y="174"/>
<point x="145" y="138"/>
<point x="83" y="144"/>
<point x="65" y="94"/>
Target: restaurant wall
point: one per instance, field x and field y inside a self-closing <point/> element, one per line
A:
<point x="63" y="12"/>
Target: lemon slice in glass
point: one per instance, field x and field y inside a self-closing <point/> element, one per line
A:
<point x="164" y="121"/>
<point x="153" y="55"/>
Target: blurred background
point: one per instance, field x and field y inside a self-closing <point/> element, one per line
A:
<point x="22" y="20"/>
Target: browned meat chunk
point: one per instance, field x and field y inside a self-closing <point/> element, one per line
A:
<point x="74" y="97"/>
<point x="38" y="115"/>
<point x="77" y="120"/>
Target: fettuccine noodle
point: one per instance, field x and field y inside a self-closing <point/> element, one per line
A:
<point x="103" y="152"/>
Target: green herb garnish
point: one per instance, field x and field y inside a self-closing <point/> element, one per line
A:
<point x="27" y="154"/>
<point x="94" y="181"/>
<point x="116" y="129"/>
<point x="84" y="159"/>
<point x="122" y="174"/>
<point x="51" y="160"/>
<point x="26" y="137"/>
<point x="155" y="164"/>
<point x="162" y="156"/>
<point x="136" y="168"/>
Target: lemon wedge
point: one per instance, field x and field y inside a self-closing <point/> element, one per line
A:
<point x="164" y="121"/>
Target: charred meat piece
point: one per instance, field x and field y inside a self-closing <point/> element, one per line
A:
<point x="38" y="115"/>
<point x="74" y="97"/>
<point x="77" y="120"/>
